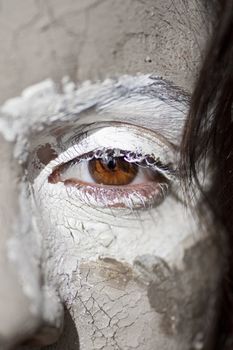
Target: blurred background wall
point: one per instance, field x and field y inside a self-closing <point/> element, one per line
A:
<point x="89" y="39"/>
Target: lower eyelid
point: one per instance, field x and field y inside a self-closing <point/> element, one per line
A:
<point x="139" y="196"/>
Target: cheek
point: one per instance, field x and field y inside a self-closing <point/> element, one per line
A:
<point x="89" y="232"/>
<point x="128" y="276"/>
<point x="147" y="303"/>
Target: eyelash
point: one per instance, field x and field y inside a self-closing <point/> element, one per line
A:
<point x="144" y="161"/>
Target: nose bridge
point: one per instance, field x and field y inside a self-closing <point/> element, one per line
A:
<point x="20" y="295"/>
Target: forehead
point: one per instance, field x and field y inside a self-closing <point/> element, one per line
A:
<point x="89" y="39"/>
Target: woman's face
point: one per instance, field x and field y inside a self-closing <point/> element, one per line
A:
<point x="109" y="232"/>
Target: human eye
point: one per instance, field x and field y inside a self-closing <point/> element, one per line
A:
<point x="114" y="166"/>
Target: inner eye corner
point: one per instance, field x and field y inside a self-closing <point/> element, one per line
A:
<point x="54" y="176"/>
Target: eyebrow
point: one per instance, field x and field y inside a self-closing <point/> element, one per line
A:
<point x="145" y="100"/>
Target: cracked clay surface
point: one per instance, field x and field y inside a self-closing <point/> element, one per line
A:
<point x="113" y="300"/>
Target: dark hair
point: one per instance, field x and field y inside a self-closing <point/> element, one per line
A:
<point x="208" y="134"/>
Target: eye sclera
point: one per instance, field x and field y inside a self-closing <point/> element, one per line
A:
<point x="132" y="197"/>
<point x="148" y="192"/>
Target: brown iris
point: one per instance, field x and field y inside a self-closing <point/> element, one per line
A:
<point x="113" y="171"/>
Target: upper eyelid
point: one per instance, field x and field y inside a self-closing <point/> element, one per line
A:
<point x="88" y="128"/>
<point x="71" y="147"/>
<point x="62" y="133"/>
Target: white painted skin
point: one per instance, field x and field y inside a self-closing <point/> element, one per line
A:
<point x="132" y="278"/>
<point x="137" y="301"/>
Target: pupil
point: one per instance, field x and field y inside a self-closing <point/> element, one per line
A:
<point x="111" y="164"/>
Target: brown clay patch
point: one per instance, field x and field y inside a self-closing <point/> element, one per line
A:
<point x="46" y="153"/>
